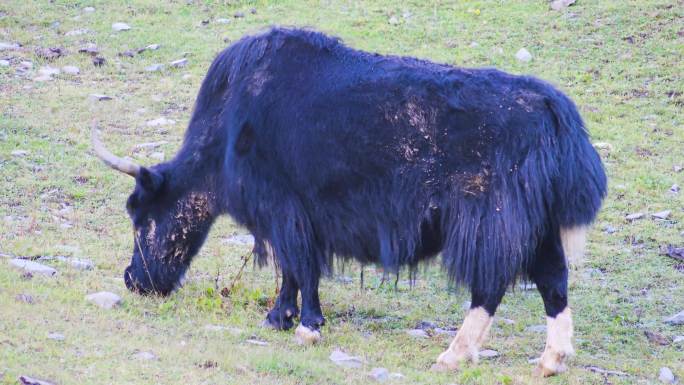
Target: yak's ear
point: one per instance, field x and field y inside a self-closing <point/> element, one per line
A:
<point x="150" y="180"/>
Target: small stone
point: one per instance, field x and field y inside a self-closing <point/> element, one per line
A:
<point x="158" y="155"/>
<point x="80" y="264"/>
<point x="396" y="376"/>
<point x="127" y="53"/>
<point x="656" y="338"/>
<point x="634" y="216"/>
<point x="89" y="9"/>
<point x="488" y="353"/>
<point x="19" y="153"/>
<point x="153" y="47"/>
<point x="104" y="299"/>
<point x="257" y="342"/>
<point x="240" y="239"/>
<point x="678" y="339"/>
<point x="100" y="97"/>
<point x="523" y="55"/>
<point x="223" y="21"/>
<point x="55" y="336"/>
<point x="49" y="53"/>
<point x="253" y="11"/>
<point x="218" y="328"/>
<point x="4" y="63"/>
<point x="71" y="70"/>
<point x="474" y="44"/>
<point x="345" y="360"/>
<point x="118" y="27"/>
<point x="674" y="189"/>
<point x="99" y="61"/>
<point x="160" y="122"/>
<point x="466" y="305"/>
<point x="149" y="145"/>
<point x="25" y="298"/>
<point x="186" y="77"/>
<point x="603" y="146"/>
<point x="677" y="319"/>
<point x="90" y="49"/>
<point x="154" y="67"/>
<point x="180" y="63"/>
<point x="661" y="214"/>
<point x="77" y="32"/>
<point x="536" y="329"/>
<point x="424" y="324"/>
<point x="33" y="267"/>
<point x="666" y="376"/>
<point x="26" y="380"/>
<point x="26" y="65"/>
<point x="507" y="321"/>
<point x="239" y="14"/>
<point x="609" y="229"/>
<point x="49" y="71"/>
<point x="379" y="374"/>
<point x="5" y="46"/>
<point x="677" y="168"/>
<point x="417" y="333"/>
<point x="558" y="5"/>
<point x="448" y="331"/>
<point x="145" y="356"/>
<point x="393" y="20"/>
<point x="42" y="78"/>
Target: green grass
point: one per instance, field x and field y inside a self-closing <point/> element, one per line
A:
<point x="619" y="60"/>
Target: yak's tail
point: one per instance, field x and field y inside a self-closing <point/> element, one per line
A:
<point x="580" y="185"/>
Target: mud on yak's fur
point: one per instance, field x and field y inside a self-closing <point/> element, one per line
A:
<point x="324" y="151"/>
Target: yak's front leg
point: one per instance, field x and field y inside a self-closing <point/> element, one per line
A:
<point x="308" y="332"/>
<point x="466" y="345"/>
<point x="285" y="309"/>
<point x="549" y="271"/>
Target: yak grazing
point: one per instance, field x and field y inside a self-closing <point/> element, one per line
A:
<point x="323" y="151"/>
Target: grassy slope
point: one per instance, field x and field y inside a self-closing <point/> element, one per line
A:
<point x="623" y="87"/>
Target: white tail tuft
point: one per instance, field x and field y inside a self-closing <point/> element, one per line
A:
<point x="574" y="239"/>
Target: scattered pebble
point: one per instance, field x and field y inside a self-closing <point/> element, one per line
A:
<point x="104" y="299"/>
<point x="417" y="333"/>
<point x="343" y="359"/>
<point x="153" y="47"/>
<point x="240" y="239"/>
<point x="160" y="122"/>
<point x="55" y="336"/>
<point x="25" y="298"/>
<point x="257" y="342"/>
<point x="100" y="97"/>
<point x="609" y="229"/>
<point x="118" y="27"/>
<point x="218" y="328"/>
<point x="596" y="369"/>
<point x="180" y="63"/>
<point x="677" y="319"/>
<point x="239" y="14"/>
<point x="666" y="376"/>
<point x="158" y="155"/>
<point x="507" y="321"/>
<point x="145" y="356"/>
<point x="424" y="324"/>
<point x="223" y="21"/>
<point x="465" y="305"/>
<point x="49" y="53"/>
<point x="49" y="71"/>
<point x="536" y="329"/>
<point x="488" y="353"/>
<point x="603" y="146"/>
<point x="149" y="145"/>
<point x="90" y="49"/>
<point x="71" y="70"/>
<point x="661" y="214"/>
<point x="154" y="67"/>
<point x="677" y="168"/>
<point x="379" y="374"/>
<point x="89" y="9"/>
<point x="33" y="267"/>
<point x="675" y="188"/>
<point x="523" y="55"/>
<point x="558" y="5"/>
<point x="77" y="32"/>
<point x="19" y="153"/>
<point x="678" y="339"/>
<point x="26" y="380"/>
<point x="393" y="20"/>
<point x="656" y="338"/>
<point x="474" y="44"/>
<point x="99" y="61"/>
<point x="5" y="46"/>
<point x="634" y="216"/>
<point x="253" y="11"/>
<point x="4" y="63"/>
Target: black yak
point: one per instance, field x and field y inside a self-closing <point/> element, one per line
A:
<point x="324" y="151"/>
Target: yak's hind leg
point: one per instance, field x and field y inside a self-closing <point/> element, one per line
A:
<point x="308" y="332"/>
<point x="549" y="271"/>
<point x="466" y="345"/>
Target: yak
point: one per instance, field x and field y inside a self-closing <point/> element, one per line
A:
<point x="323" y="151"/>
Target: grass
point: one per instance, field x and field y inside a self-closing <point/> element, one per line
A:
<point x="619" y="60"/>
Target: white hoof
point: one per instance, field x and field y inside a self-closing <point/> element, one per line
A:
<point x="306" y="336"/>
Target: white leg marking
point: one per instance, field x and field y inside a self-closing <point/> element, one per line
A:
<point x="558" y="344"/>
<point x="306" y="336"/>
<point x="468" y="340"/>
<point x="574" y="239"/>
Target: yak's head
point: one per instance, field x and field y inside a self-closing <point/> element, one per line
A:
<point x="170" y="223"/>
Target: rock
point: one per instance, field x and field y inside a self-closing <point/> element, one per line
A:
<point x="393" y="20"/>
<point x="26" y="380"/>
<point x="223" y="21"/>
<point x="488" y="353"/>
<point x="25" y="298"/>
<point x="345" y="360"/>
<point x="149" y="145"/>
<point x="536" y="329"/>
<point x="634" y="216"/>
<point x="5" y="46"/>
<point x="180" y="63"/>
<point x="598" y="370"/>
<point x="89" y="9"/>
<point x="603" y="146"/>
<point x="240" y="239"/>
<point x="49" y="53"/>
<point x="507" y="321"/>
<point x="673" y="252"/>
<point x="99" y="61"/>
<point x="677" y="319"/>
<point x="417" y="333"/>
<point x="674" y="189"/>
<point x="239" y="15"/>
<point x="71" y="70"/>
<point x="666" y="376"/>
<point x="448" y="331"/>
<point x="90" y="49"/>
<point x="656" y="338"/>
<point x="217" y="328"/>
<point x="661" y="214"/>
<point x="100" y="97"/>
<point x="153" y="47"/>
<point x="609" y="229"/>
<point x="49" y="71"/>
<point x="465" y="305"/>
<point x="558" y="5"/>
<point x="19" y="153"/>
<point x="154" y="67"/>
<point x="523" y="55"/>
<point x="158" y="155"/>
<point x="33" y="267"/>
<point x="77" y="32"/>
<point x="127" y="53"/>
<point x="4" y="63"/>
<point x="80" y="264"/>
<point x="26" y="64"/>
<point x="424" y="325"/>
<point x="253" y="11"/>
<point x="379" y="374"/>
<point x="104" y="299"/>
<point x="55" y="336"/>
<point x="257" y="342"/>
<point x="678" y="339"/>
<point x="474" y="44"/>
<point x="118" y="27"/>
<point x="677" y="168"/>
<point x="160" y="122"/>
<point x="145" y="356"/>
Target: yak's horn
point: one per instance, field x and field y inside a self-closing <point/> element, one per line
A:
<point x="113" y="161"/>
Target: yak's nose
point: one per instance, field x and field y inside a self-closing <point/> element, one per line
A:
<point x="132" y="283"/>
